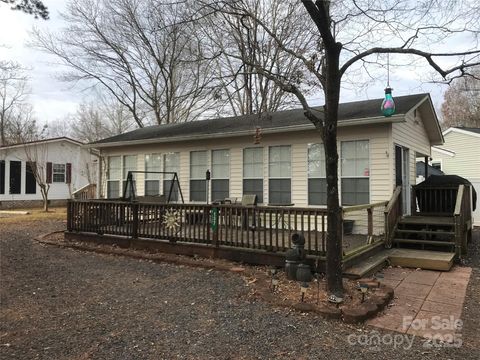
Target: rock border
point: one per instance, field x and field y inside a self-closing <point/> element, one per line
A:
<point x="379" y="297"/>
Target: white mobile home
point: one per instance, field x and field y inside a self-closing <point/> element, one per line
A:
<point x="66" y="165"/>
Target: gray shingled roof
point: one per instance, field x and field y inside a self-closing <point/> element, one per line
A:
<point x="471" y="129"/>
<point x="280" y="119"/>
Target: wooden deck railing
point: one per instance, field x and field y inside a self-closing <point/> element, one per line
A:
<point x="86" y="192"/>
<point x="435" y="200"/>
<point x="393" y="211"/>
<point x="256" y="227"/>
<point x="462" y="218"/>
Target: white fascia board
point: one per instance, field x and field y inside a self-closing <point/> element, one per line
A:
<point x="344" y="123"/>
<point x="443" y="151"/>
<point x="461" y="131"/>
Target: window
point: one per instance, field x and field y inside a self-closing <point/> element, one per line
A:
<point x="279" y="164"/>
<point x="355" y="172"/>
<point x="171" y="163"/>
<point x="220" y="174"/>
<point x="114" y="176"/>
<point x="15" y="177"/>
<point x="2" y="176"/>
<point x="317" y="182"/>
<point x="30" y="182"/>
<point x="253" y="172"/>
<point x="152" y="181"/>
<point x="198" y="167"/>
<point x="129" y="164"/>
<point x="58" y="173"/>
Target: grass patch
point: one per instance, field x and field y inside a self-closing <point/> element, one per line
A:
<point x="54" y="213"/>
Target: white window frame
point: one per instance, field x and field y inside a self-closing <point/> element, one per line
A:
<point x="343" y="176"/>
<point x="270" y="177"/>
<point x="200" y="177"/>
<point x="165" y="177"/>
<point x="262" y="167"/>
<point x="56" y="172"/>
<point x="152" y="177"/>
<point x="312" y="176"/>
<point x="214" y="175"/>
<point x="109" y="175"/>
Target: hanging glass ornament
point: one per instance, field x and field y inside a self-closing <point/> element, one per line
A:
<point x="388" y="105"/>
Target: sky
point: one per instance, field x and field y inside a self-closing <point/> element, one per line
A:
<point x="53" y="99"/>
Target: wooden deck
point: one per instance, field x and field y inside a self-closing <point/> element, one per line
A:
<point x="253" y="238"/>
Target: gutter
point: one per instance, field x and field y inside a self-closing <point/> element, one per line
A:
<point x="343" y="123"/>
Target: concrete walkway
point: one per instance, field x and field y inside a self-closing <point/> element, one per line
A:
<point x="426" y="303"/>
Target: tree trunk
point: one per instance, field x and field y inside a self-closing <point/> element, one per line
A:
<point x="334" y="220"/>
<point x="45" y="199"/>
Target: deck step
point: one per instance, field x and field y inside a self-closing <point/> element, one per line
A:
<point x="428" y="220"/>
<point x="426" y="242"/>
<point x="368" y="266"/>
<point x="433" y="232"/>
<point x="424" y="259"/>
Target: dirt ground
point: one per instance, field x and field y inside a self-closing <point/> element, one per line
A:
<point x="59" y="303"/>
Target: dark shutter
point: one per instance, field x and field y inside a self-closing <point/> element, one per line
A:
<point x="49" y="172"/>
<point x="68" y="176"/>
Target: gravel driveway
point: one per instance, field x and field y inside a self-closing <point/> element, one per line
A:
<point x="64" y="304"/>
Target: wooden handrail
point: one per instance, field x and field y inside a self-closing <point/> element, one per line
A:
<point x="393" y="207"/>
<point x="393" y="199"/>
<point x="458" y="201"/>
<point x="364" y="207"/>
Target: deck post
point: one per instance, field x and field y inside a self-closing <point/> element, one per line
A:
<point x="69" y="215"/>
<point x="135" y="221"/>
<point x="214" y="225"/>
<point x="370" y="223"/>
<point x="426" y="167"/>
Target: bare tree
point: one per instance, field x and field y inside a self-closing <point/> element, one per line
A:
<point x="36" y="157"/>
<point x="99" y="119"/>
<point x="461" y="104"/>
<point x="13" y="94"/>
<point x="243" y="90"/>
<point x="142" y="52"/>
<point x="352" y="35"/>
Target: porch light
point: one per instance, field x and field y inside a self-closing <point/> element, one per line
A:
<point x="388" y="105"/>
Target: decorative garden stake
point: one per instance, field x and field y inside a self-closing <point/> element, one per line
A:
<point x="274" y="281"/>
<point x="303" y="290"/>
<point x="363" y="289"/>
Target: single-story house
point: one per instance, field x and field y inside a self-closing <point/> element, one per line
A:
<point x="460" y="155"/>
<point x="278" y="156"/>
<point x="65" y="164"/>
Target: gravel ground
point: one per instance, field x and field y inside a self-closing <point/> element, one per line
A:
<point x="60" y="303"/>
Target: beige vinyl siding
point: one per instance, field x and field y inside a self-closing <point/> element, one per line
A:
<point x="379" y="137"/>
<point x="466" y="161"/>
<point x="412" y="135"/>
<point x="236" y="171"/>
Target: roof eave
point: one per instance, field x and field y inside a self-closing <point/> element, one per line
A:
<point x="343" y="123"/>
